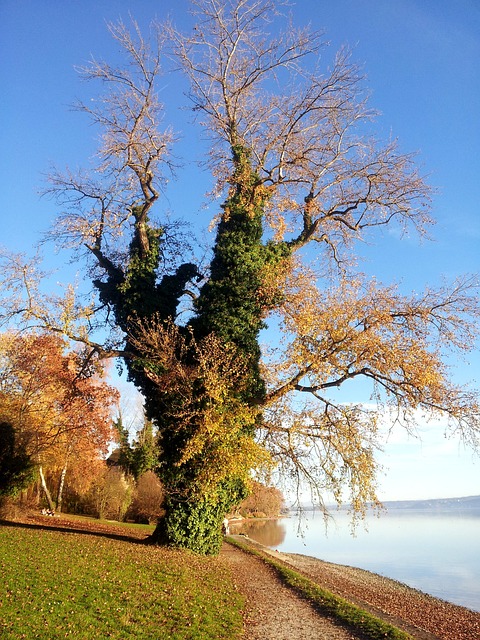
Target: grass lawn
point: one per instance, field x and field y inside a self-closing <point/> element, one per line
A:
<point x="59" y="584"/>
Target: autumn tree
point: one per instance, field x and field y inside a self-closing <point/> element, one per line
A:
<point x="303" y="180"/>
<point x="57" y="403"/>
<point x="147" y="499"/>
<point x="110" y="495"/>
<point x="263" y="501"/>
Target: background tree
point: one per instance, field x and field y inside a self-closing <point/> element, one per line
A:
<point x="303" y="181"/>
<point x="81" y="477"/>
<point x="110" y="495"/>
<point x="263" y="502"/>
<point x="122" y="455"/>
<point x="60" y="408"/>
<point x="147" y="499"/>
<point x="16" y="468"/>
<point x="140" y="456"/>
<point x="145" y="453"/>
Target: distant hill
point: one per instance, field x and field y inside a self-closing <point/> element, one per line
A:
<point x="468" y="503"/>
<point x="459" y="504"/>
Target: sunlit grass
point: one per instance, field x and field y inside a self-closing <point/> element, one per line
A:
<point x="59" y="585"/>
<point x="132" y="526"/>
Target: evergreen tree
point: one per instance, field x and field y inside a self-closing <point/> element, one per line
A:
<point x="17" y="470"/>
<point x="124" y="449"/>
<point x="144" y="456"/>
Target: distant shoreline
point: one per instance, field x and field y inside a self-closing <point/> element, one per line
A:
<point x="461" y="503"/>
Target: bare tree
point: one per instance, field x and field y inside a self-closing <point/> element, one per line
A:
<point x="307" y="130"/>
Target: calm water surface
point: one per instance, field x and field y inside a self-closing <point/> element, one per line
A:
<point x="435" y="552"/>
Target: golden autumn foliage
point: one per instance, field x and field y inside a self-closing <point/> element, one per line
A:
<point x="59" y="405"/>
<point x="220" y="445"/>
<point x="397" y="345"/>
<point x="262" y="502"/>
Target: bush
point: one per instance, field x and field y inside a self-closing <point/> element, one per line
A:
<point x="111" y="495"/>
<point x="147" y="499"/>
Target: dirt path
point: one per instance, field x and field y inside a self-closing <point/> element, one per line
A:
<point x="273" y="611"/>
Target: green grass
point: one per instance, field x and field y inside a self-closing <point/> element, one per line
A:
<point x="132" y="526"/>
<point x="330" y="604"/>
<point x="71" y="585"/>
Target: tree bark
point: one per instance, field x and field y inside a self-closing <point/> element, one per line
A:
<point x="51" y="506"/>
<point x="60" y="487"/>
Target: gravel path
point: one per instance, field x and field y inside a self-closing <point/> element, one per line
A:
<point x="273" y="611"/>
<point x="423" y="616"/>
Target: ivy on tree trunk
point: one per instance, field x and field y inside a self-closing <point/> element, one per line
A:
<point x="230" y="306"/>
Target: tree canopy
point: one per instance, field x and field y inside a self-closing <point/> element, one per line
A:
<point x="303" y="180"/>
<point x="59" y="410"/>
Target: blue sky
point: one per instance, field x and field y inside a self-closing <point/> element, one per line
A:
<point x="422" y="61"/>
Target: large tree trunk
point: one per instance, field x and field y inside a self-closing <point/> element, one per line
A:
<point x="196" y="524"/>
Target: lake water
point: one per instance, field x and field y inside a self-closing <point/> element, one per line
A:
<point x="435" y="552"/>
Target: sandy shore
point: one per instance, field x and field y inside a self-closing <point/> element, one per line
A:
<point x="424" y="616"/>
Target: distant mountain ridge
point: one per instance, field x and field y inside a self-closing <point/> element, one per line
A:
<point x="436" y="504"/>
<point x="466" y="503"/>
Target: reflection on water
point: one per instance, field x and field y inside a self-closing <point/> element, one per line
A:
<point x="438" y="553"/>
<point x="270" y="533"/>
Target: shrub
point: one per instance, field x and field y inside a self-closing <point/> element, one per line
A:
<point x="110" y="495"/>
<point x="147" y="500"/>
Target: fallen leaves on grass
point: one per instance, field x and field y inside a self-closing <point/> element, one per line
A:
<point x="59" y="584"/>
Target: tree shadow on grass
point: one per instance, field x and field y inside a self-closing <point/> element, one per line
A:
<point x="73" y="528"/>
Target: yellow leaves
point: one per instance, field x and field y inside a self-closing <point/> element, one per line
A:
<point x="327" y="447"/>
<point x="68" y="314"/>
<point x="223" y="444"/>
<point x="359" y="329"/>
<point x="278" y="223"/>
<point x="209" y="375"/>
<point x="221" y="367"/>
